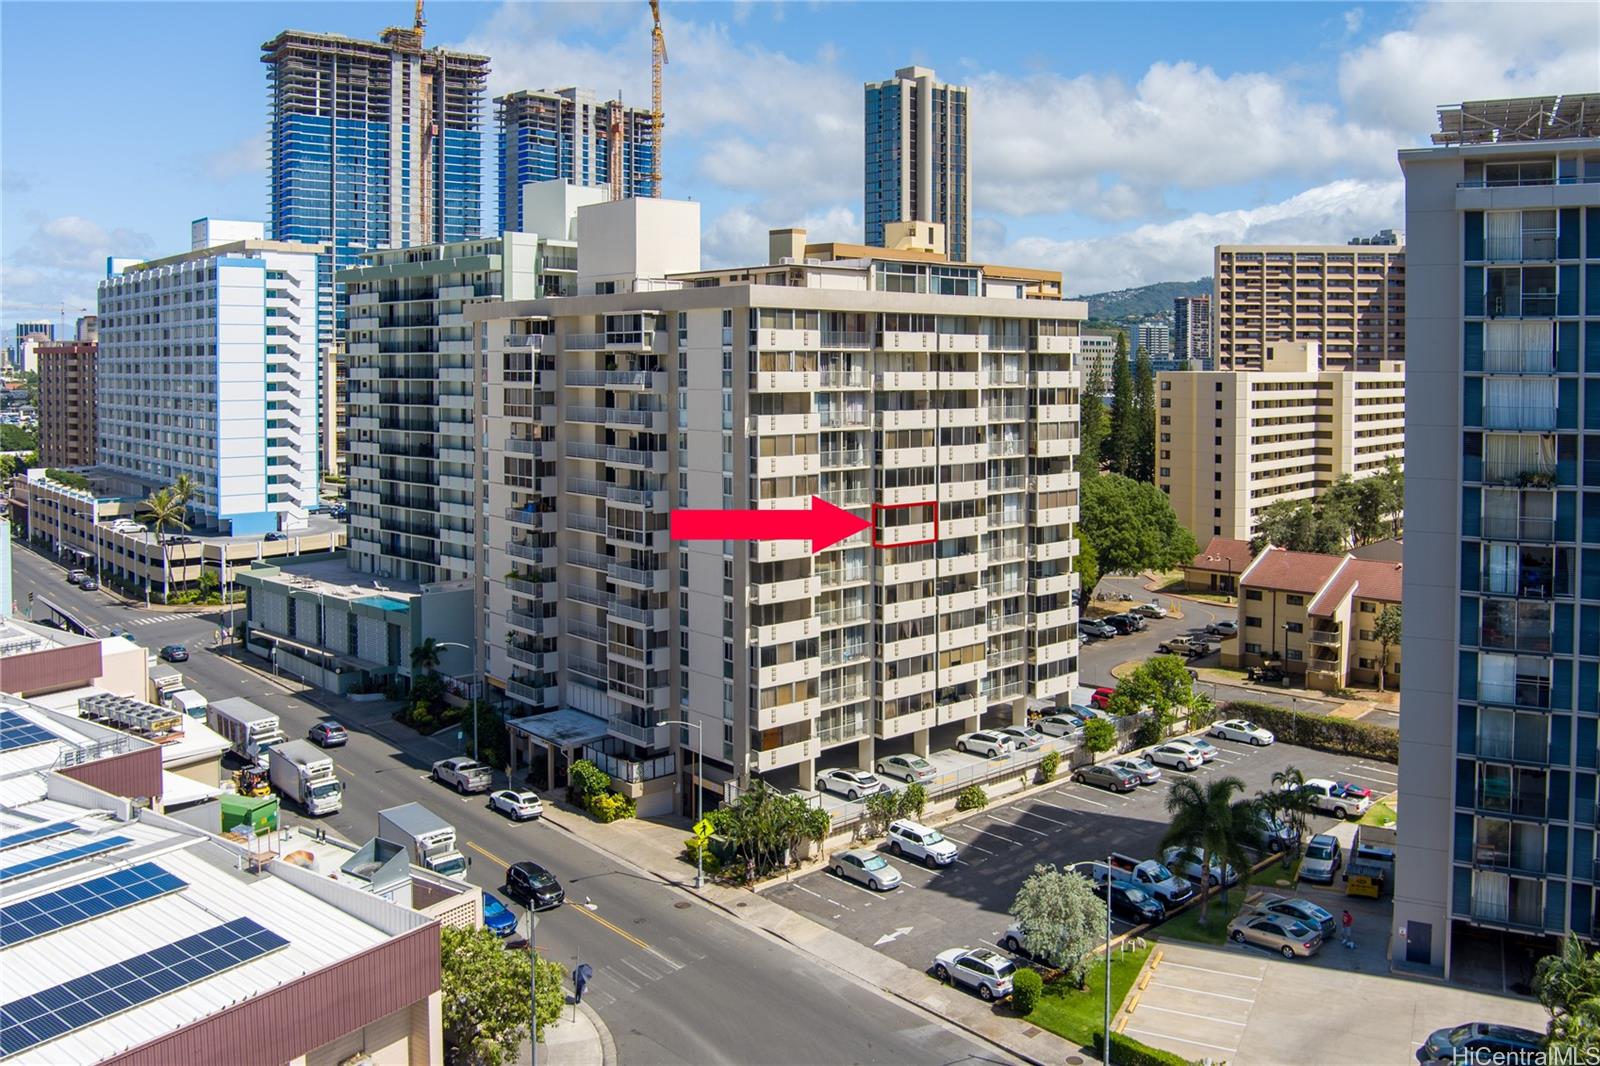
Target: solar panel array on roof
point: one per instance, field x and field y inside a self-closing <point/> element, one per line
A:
<point x="56" y="858"/>
<point x="38" y="915"/>
<point x="17" y="732"/>
<point x="38" y="832"/>
<point x="85" y="1000"/>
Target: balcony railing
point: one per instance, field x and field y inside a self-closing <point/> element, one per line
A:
<point x="1496" y="912"/>
<point x="533" y="694"/>
<point x="634" y="731"/>
<point x="848" y="457"/>
<point x="845" y="339"/>
<point x="1534" y="694"/>
<point x="1536" y="529"/>
<point x="1531" y="806"/>
<point x="1519" y="416"/>
<point x="1327" y="638"/>
<point x="1518" y="361"/>
<point x="1532" y="244"/>
<point x="1542" y="305"/>
<point x="844" y="379"/>
<point x="631" y="771"/>
<point x="535" y="341"/>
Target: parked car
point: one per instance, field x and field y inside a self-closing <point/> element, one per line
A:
<point x="528" y="881"/>
<point x="1154" y="877"/>
<point x="1127" y="900"/>
<point x="1186" y="863"/>
<point x="175" y="653"/>
<point x="463" y="774"/>
<point x="1094" y="627"/>
<point x="88" y="584"/>
<point x="1321" y="860"/>
<point x="1268" y="835"/>
<point x="984" y="971"/>
<point x="1101" y="697"/>
<point x="867" y="868"/>
<point x="1106" y="776"/>
<point x="1178" y="754"/>
<point x="328" y="735"/>
<point x="497" y="917"/>
<point x="1124" y="623"/>
<point x="1187" y="647"/>
<point x="1224" y="628"/>
<point x="1483" y="1042"/>
<point x="183" y="540"/>
<point x="907" y="768"/>
<point x="1086" y="712"/>
<point x="920" y="842"/>
<point x="1149" y="610"/>
<point x="75" y="576"/>
<point x="1059" y="725"/>
<point x="1300" y="910"/>
<point x="850" y="783"/>
<point x="1244" y="731"/>
<point x="276" y="536"/>
<point x="1329" y="798"/>
<point x="1350" y="788"/>
<point x="1286" y="936"/>
<point x="1146" y="771"/>
<point x="516" y="804"/>
<point x="1024" y="737"/>
<point x="1207" y="750"/>
<point x="988" y="742"/>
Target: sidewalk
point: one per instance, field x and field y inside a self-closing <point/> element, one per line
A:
<point x="656" y="849"/>
<point x="579" y="1039"/>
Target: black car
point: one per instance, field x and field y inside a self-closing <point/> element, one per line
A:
<point x="175" y="653"/>
<point x="1132" y="902"/>
<point x="1483" y="1042"/>
<point x="276" y="536"/>
<point x="529" y="882"/>
<point x="329" y="735"/>
<point x="1124" y="623"/>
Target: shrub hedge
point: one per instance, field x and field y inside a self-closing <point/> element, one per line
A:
<point x="1126" y="1051"/>
<point x="972" y="798"/>
<point x="1342" y="736"/>
<point x="1026" y="988"/>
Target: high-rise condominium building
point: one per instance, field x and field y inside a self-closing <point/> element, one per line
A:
<point x="1098" y="352"/>
<point x="918" y="157"/>
<point x="1498" y="745"/>
<point x="24" y="330"/>
<point x="1349" y="299"/>
<point x="66" y="403"/>
<point x="1228" y="443"/>
<point x="374" y="144"/>
<point x="662" y="386"/>
<point x="411" y="465"/>
<point x="566" y="135"/>
<point x="208" y="366"/>
<point x="1191" y="324"/>
<point x="1154" y="339"/>
<point x="87" y="328"/>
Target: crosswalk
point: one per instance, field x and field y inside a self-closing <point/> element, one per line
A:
<point x="630" y="973"/>
<point x="151" y="620"/>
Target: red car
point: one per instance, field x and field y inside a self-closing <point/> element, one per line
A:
<point x="1354" y="791"/>
<point x="1101" y="697"/>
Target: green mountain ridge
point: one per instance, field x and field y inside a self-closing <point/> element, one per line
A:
<point x="1143" y="301"/>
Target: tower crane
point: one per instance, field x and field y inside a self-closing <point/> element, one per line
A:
<point x="658" y="59"/>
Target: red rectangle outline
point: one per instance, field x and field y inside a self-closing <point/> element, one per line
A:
<point x="876" y="507"/>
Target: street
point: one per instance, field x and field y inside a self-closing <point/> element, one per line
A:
<point x="676" y="982"/>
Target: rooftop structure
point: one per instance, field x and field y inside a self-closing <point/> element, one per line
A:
<point x="918" y="157"/>
<point x="1527" y="118"/>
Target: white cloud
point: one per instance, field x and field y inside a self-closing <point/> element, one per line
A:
<point x="738" y="236"/>
<point x="247" y="158"/>
<point x="60" y="264"/>
<point x="1353" y="19"/>
<point x="15" y="181"/>
<point x="1181" y="250"/>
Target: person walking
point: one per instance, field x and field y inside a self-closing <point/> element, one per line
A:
<point x="1348" y="922"/>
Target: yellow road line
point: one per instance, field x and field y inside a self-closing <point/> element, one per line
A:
<point x="575" y="907"/>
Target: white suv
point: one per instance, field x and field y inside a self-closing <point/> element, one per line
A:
<point x="920" y="842"/>
<point x="985" y="742"/>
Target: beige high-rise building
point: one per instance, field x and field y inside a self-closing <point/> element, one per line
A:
<point x="66" y="403"/>
<point x="1228" y="443"/>
<point x="1348" y="298"/>
<point x="925" y="386"/>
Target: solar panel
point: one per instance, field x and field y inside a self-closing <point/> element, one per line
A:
<point x="38" y="832"/>
<point x="86" y="900"/>
<point x="17" y="732"/>
<point x="56" y="858"/>
<point x="82" y="1001"/>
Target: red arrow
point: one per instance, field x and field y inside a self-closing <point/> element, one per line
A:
<point x="823" y="525"/>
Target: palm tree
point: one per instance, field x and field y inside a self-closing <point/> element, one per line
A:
<point x="425" y="656"/>
<point x="1207" y="821"/>
<point x="164" y="510"/>
<point x="1289" y="801"/>
<point x="184" y="490"/>
<point x="1568" y="985"/>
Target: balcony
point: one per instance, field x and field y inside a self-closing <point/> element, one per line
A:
<point x="628" y="729"/>
<point x="1533" y="244"/>
<point x="844" y="379"/>
<point x="1327" y="638"/>
<point x="1519" y="361"/>
<point x="1533" y="694"/>
<point x="1530" y="528"/>
<point x="531" y="341"/>
<point x="845" y="339"/>
<point x="636" y="380"/>
<point x="1516" y="416"/>
<point x="632" y="771"/>
<point x="523" y="620"/>
<point x="532" y="694"/>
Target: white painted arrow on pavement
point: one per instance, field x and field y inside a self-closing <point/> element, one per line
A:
<point x="891" y="937"/>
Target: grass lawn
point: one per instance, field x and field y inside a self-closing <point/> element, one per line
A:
<point x="1379" y="814"/>
<point x="1186" y="925"/>
<point x="1078" y="1015"/>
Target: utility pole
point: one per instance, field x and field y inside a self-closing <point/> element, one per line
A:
<point x="699" y="796"/>
<point x="1105" y="1048"/>
<point x="533" y="983"/>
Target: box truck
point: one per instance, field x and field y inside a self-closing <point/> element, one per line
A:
<point x="430" y="840"/>
<point x="303" y="773"/>
<point x="251" y="730"/>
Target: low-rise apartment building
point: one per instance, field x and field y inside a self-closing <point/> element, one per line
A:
<point x="1347" y="298"/>
<point x="1315" y="616"/>
<point x="1230" y="442"/>
<point x="906" y="389"/>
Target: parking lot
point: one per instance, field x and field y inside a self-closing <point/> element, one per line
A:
<point x="966" y="904"/>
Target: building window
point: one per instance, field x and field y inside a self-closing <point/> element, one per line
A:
<point x="1293" y="655"/>
<point x="1294" y="627"/>
<point x="1369" y="608"/>
<point x="1294" y="601"/>
<point x="1252" y="622"/>
<point x="1252" y="594"/>
<point x="1252" y="649"/>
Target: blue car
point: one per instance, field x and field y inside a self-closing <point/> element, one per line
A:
<point x="497" y="918"/>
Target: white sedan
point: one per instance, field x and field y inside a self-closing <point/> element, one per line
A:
<point x="1244" y="731"/>
<point x="1177" y="754"/>
<point x="852" y="784"/>
<point x="518" y="806"/>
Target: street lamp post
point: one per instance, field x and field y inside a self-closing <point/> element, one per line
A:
<point x="533" y="984"/>
<point x="699" y="795"/>
<point x="1105" y="1046"/>
<point x="472" y="689"/>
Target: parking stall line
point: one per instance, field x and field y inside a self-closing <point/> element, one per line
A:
<point x="1042" y="818"/>
<point x="1083" y="799"/>
<point x="1190" y="1014"/>
<point x="1180" y="1039"/>
<point x="1203" y="969"/>
<point x="974" y="847"/>
<point x="1008" y="840"/>
<point x="1025" y="829"/>
<point x="1207" y="992"/>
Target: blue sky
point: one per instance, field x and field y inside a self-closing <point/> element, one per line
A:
<point x="1116" y="142"/>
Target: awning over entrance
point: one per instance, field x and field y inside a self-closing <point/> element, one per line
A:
<point x="566" y="728"/>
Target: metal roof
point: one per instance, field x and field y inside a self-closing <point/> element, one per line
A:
<point x="1527" y="118"/>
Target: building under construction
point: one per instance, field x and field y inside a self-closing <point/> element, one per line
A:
<point x="571" y="135"/>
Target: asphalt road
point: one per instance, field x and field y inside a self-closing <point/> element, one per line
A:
<point x="966" y="905"/>
<point x="675" y="981"/>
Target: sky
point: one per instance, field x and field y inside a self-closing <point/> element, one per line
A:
<point x="1116" y="142"/>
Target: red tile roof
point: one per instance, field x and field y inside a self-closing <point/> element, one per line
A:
<point x="1287" y="571"/>
<point x="1223" y="554"/>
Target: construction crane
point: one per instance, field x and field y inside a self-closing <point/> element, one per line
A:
<point x="658" y="59"/>
<point x="615" y="111"/>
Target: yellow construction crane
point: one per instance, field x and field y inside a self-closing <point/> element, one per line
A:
<point x="658" y="59"/>
<point x="419" y="22"/>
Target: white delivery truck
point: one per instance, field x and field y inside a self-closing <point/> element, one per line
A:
<point x="304" y="773"/>
<point x="250" y="728"/>
<point x="429" y="839"/>
<point x="186" y="701"/>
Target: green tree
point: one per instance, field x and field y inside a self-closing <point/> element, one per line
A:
<point x="764" y="828"/>
<point x="1144" y="406"/>
<point x="483" y="994"/>
<point x="1568" y="985"/>
<point x="1086" y="564"/>
<point x="1132" y="527"/>
<point x="1092" y="427"/>
<point x="425" y="656"/>
<point x="1387" y="630"/>
<point x="1099" y="735"/>
<point x="1207" y="821"/>
<point x="163" y="510"/>
<point x="1122" y="437"/>
<point x="1393" y="480"/>
<point x="1061" y="919"/>
<point x="1299" y="526"/>
<point x="18" y="439"/>
<point x="184" y="490"/>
